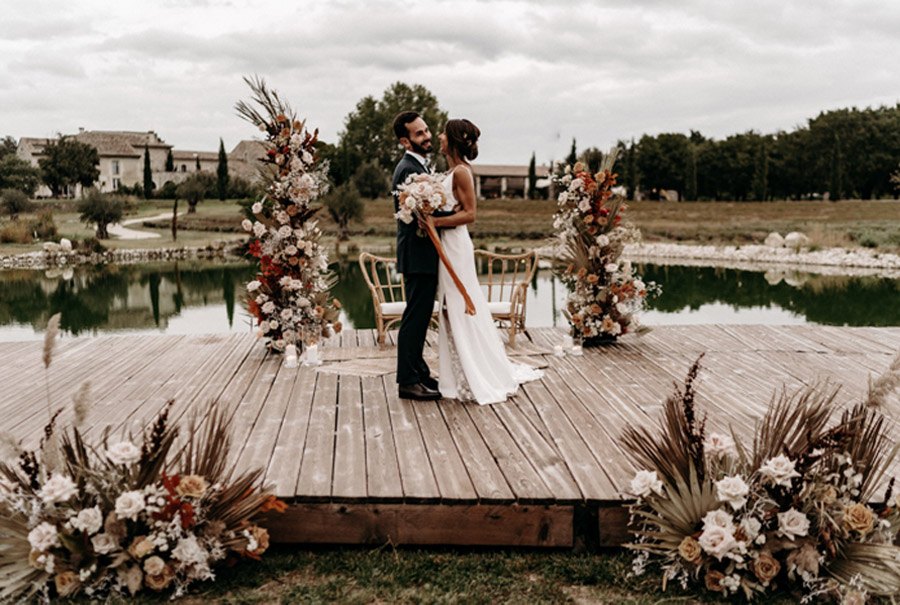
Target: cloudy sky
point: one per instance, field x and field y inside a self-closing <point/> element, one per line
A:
<point x="531" y="73"/>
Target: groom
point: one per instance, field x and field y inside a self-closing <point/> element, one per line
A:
<point x="417" y="260"/>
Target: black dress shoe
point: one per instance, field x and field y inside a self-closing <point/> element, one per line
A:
<point x="418" y="392"/>
<point x="430" y="382"/>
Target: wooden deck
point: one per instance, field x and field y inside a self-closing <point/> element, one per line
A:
<point x="360" y="465"/>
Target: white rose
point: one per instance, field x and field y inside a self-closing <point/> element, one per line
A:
<point x="286" y="314"/>
<point x="719" y="518"/>
<point x="584" y="205"/>
<point x="576" y="184"/>
<point x="285" y="231"/>
<point x="256" y="208"/>
<point x="254" y="285"/>
<point x="611" y="268"/>
<point x="307" y="157"/>
<point x="258" y="229"/>
<point x="639" y="285"/>
<point x="123" y="452"/>
<point x="751" y="527"/>
<point x="43" y="537"/>
<point x="58" y="488"/>
<point x="792" y="524"/>
<point x="645" y="482"/>
<point x="291" y="250"/>
<point x="154" y="566"/>
<point x="602" y="240"/>
<point x="717" y="541"/>
<point x="780" y="470"/>
<point x="283" y="217"/>
<point x="268" y="308"/>
<point x="247" y="225"/>
<point x="129" y="505"/>
<point x="88" y="520"/>
<point x="188" y="551"/>
<point x="104" y="544"/>
<point x="273" y="324"/>
<point x="717" y="444"/>
<point x="303" y="302"/>
<point x="732" y="490"/>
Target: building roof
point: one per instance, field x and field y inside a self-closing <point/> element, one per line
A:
<point x="248" y="151"/>
<point x="108" y="143"/>
<point x="180" y="155"/>
<point x="500" y="170"/>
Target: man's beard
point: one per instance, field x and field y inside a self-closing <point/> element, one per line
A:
<point x="419" y="149"/>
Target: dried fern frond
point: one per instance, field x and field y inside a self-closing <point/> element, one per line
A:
<point x="268" y="99"/>
<point x="677" y="451"/>
<point x="869" y="446"/>
<point x="874" y="568"/>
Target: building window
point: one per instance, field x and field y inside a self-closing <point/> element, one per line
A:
<point x="115" y="166"/>
<point x="116" y="183"/>
<point x="183" y="168"/>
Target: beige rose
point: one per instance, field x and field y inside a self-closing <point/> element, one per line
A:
<point x="154" y="566"/>
<point x="261" y="535"/>
<point x="854" y="597"/>
<point x="192" y="486"/>
<point x="713" y="581"/>
<point x="67" y="583"/>
<point x="690" y="550"/>
<point x="161" y="580"/>
<point x="766" y="567"/>
<point x="829" y="495"/>
<point x="859" y="517"/>
<point x="141" y="547"/>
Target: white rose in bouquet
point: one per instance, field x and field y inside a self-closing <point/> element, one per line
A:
<point x="732" y="490"/>
<point x="717" y="445"/>
<point x="645" y="482"/>
<point x="123" y="452"/>
<point x="88" y="520"/>
<point x="247" y="225"/>
<point x="58" y="488"/>
<point x="792" y="524"/>
<point x="717" y="541"/>
<point x="259" y="229"/>
<point x="129" y="505"/>
<point x="43" y="537"/>
<point x="719" y="518"/>
<point x="257" y="207"/>
<point x="104" y="543"/>
<point x="780" y="470"/>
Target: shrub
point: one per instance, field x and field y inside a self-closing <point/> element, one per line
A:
<point x="370" y="180"/>
<point x="44" y="227"/>
<point x="242" y="188"/>
<point x="195" y="188"/>
<point x="15" y="232"/>
<point x="101" y="210"/>
<point x="89" y="245"/>
<point x="344" y="205"/>
<point x="15" y="202"/>
<point x="169" y="191"/>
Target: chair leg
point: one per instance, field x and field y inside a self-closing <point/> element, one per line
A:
<point x="381" y="332"/>
<point x="512" y="333"/>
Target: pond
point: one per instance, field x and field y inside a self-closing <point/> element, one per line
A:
<point x="201" y="297"/>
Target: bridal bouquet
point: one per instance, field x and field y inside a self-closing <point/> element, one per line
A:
<point x="419" y="196"/>
<point x="124" y="515"/>
<point x="796" y="508"/>
<point x="605" y="294"/>
<point x="290" y="296"/>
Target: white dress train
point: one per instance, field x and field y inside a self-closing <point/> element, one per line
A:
<point x="473" y="362"/>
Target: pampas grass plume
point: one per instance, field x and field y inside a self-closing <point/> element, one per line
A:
<point x="884" y="385"/>
<point x="50" y="339"/>
<point x="82" y="403"/>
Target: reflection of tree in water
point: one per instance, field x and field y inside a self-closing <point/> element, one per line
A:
<point x="119" y="297"/>
<point x="831" y="300"/>
<point x="351" y="290"/>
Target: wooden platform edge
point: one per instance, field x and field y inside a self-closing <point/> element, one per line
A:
<point x="549" y="526"/>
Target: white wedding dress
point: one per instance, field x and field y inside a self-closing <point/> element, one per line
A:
<point x="473" y="362"/>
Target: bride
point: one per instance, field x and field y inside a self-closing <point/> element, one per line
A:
<point x="473" y="362"/>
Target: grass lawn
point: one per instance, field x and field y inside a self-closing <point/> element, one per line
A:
<point x="355" y="575"/>
<point x="507" y="223"/>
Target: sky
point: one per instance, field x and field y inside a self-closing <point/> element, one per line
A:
<point x="532" y="74"/>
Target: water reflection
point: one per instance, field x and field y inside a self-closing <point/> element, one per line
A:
<point x="186" y="297"/>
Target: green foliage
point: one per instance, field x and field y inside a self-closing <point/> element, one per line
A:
<point x="239" y="187"/>
<point x="591" y="158"/>
<point x="344" y="205"/>
<point x="8" y="146"/>
<point x="170" y="162"/>
<point x="147" y="189"/>
<point x="195" y="188"/>
<point x="68" y="162"/>
<point x="368" y="129"/>
<point x="44" y="227"/>
<point x="16" y="232"/>
<point x="168" y="191"/>
<point x="532" y="178"/>
<point x="370" y="180"/>
<point x="573" y="154"/>
<point x="14" y="202"/>
<point x="16" y="173"/>
<point x="222" y="172"/>
<point x="101" y="210"/>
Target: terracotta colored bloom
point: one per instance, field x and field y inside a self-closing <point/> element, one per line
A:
<point x="337" y="304"/>
<point x="67" y="583"/>
<point x="592" y="278"/>
<point x="690" y="550"/>
<point x="713" y="581"/>
<point x="162" y="580"/>
<point x="859" y="518"/>
<point x="766" y="567"/>
<point x="141" y="547"/>
<point x="262" y="539"/>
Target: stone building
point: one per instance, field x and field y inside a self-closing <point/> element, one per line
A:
<point x="499" y="180"/>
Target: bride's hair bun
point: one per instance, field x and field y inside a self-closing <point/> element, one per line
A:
<point x="462" y="138"/>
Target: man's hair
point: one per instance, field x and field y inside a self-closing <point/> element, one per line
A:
<point x="403" y="118"/>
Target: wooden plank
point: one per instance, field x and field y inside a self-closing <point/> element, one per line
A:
<point x="287" y="454"/>
<point x="382" y="467"/>
<point x="416" y="474"/>
<point x="449" y="469"/>
<point x="423" y="524"/>
<point x="613" y="525"/>
<point x="317" y="466"/>
<point x="350" y="441"/>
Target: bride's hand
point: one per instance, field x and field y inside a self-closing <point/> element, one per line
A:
<point x="425" y="221"/>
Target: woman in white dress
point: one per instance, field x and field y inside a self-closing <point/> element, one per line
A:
<point x="473" y="361"/>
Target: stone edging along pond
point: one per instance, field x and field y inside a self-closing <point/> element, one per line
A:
<point x="58" y="258"/>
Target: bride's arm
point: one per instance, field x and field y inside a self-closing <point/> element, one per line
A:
<point x="464" y="192"/>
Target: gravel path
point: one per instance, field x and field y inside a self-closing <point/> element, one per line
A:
<point x="120" y="231"/>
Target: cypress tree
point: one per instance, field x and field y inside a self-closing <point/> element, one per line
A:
<point x="148" y="174"/>
<point x="532" y="178"/>
<point x="222" y="172"/>
<point x="197" y="162"/>
<point x="573" y="154"/>
<point x="170" y="162"/>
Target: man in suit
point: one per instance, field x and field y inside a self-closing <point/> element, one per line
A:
<point x="417" y="260"/>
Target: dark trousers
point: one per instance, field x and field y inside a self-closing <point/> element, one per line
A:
<point x="420" y="291"/>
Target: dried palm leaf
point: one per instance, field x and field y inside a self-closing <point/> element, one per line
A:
<point x="873" y="567"/>
<point x="18" y="579"/>
<point x="793" y="423"/>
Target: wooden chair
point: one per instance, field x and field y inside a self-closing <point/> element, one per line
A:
<point x="388" y="294"/>
<point x="505" y="280"/>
